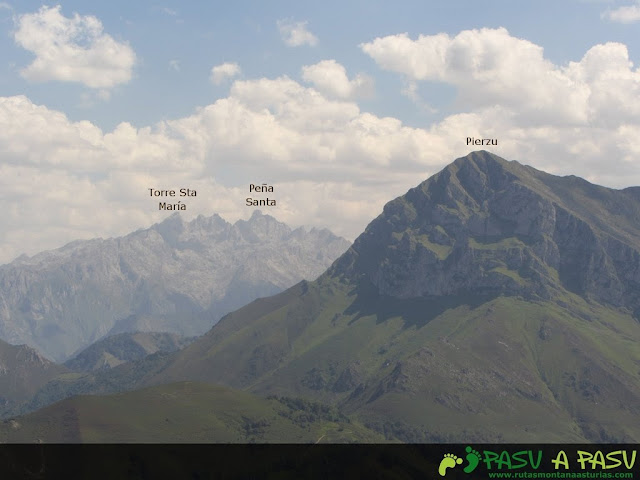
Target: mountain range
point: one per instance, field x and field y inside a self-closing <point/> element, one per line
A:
<point x="491" y="303"/>
<point x="176" y="276"/>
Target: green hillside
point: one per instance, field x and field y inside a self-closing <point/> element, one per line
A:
<point x="503" y="369"/>
<point x="185" y="412"/>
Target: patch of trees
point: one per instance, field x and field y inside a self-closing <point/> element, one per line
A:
<point x="304" y="412"/>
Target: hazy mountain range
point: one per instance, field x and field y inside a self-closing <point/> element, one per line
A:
<point x="176" y="276"/>
<point x="492" y="302"/>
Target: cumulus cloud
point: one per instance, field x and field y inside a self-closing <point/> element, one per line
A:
<point x="224" y="71"/>
<point x="625" y="14"/>
<point x="488" y="66"/>
<point x="296" y="34"/>
<point x="491" y="67"/>
<point x="331" y="164"/>
<point x="330" y="77"/>
<point x="72" y="49"/>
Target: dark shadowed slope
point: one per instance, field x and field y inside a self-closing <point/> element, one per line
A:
<point x="125" y="347"/>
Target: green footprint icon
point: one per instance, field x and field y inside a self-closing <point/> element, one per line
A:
<point x="449" y="461"/>
<point x="473" y="457"/>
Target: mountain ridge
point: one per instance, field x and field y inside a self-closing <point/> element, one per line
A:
<point x="62" y="300"/>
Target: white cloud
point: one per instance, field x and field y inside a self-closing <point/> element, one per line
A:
<point x="5" y="6"/>
<point x="491" y="67"/>
<point x="625" y="14"/>
<point x="296" y="34"/>
<point x="174" y="65"/>
<point x="330" y="78"/>
<point x="331" y="163"/>
<point x="224" y="71"/>
<point x="72" y="49"/>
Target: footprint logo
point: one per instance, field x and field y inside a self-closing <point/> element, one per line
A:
<point x="473" y="457"/>
<point x="449" y="461"/>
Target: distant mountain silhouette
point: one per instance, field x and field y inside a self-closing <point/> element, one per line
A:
<point x="159" y="279"/>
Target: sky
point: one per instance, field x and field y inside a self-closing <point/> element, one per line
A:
<point x="339" y="106"/>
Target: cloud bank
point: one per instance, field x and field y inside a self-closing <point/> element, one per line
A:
<point x="331" y="163"/>
<point x="490" y="67"/>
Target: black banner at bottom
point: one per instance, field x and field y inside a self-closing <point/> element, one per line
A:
<point x="259" y="461"/>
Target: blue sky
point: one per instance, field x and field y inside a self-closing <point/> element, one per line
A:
<point x="201" y="34"/>
<point x="340" y="105"/>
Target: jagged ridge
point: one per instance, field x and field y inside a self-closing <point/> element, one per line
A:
<point x="158" y="279"/>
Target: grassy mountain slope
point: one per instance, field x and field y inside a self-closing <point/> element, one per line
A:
<point x="184" y="412"/>
<point x="501" y="369"/>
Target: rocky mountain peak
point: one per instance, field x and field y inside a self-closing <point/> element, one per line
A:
<point x="484" y="225"/>
<point x="261" y="226"/>
<point x="62" y="300"/>
<point x="171" y="228"/>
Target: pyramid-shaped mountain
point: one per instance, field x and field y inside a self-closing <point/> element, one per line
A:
<point x="487" y="226"/>
<point x="492" y="302"/>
